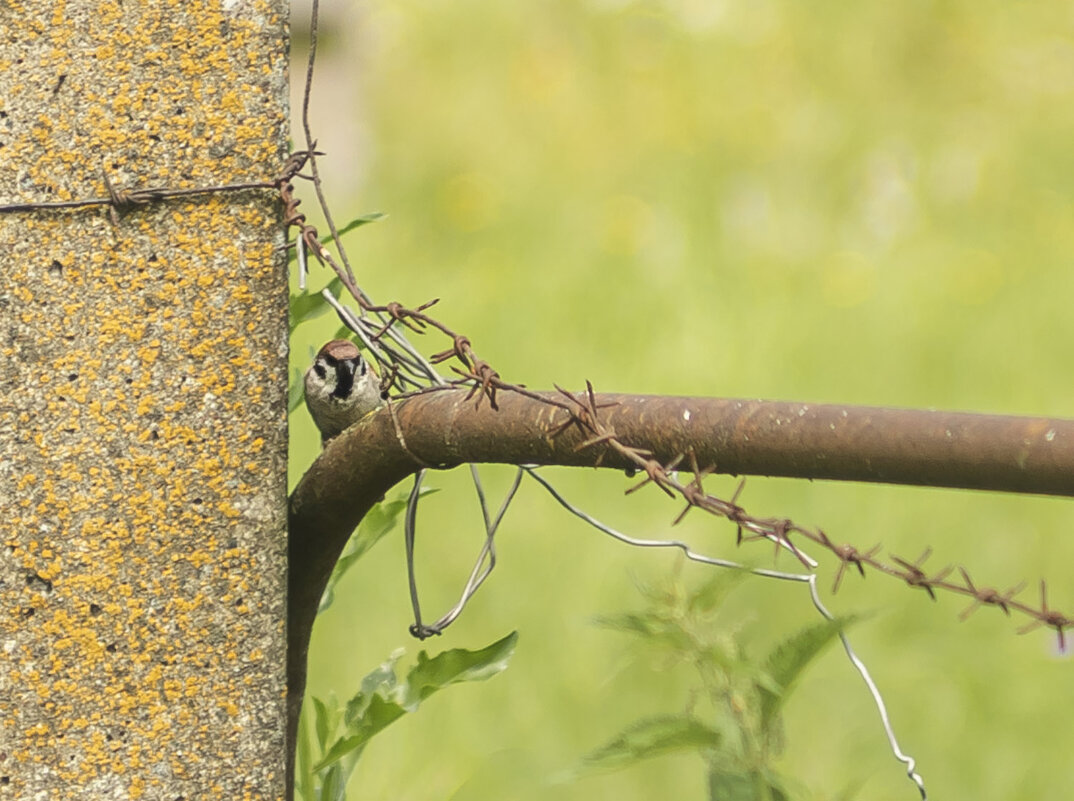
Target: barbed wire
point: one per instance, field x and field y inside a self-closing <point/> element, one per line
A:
<point x="120" y="199"/>
<point x="377" y="326"/>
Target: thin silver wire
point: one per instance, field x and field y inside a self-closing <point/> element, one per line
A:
<point x="409" y="527"/>
<point x="404" y="343"/>
<point x="300" y="251"/>
<point x="807" y="578"/>
<point x="480" y="570"/>
<point x="420" y="367"/>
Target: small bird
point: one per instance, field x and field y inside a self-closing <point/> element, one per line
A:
<point x="341" y="388"/>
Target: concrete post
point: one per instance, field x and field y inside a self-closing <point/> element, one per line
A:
<point x="142" y="402"/>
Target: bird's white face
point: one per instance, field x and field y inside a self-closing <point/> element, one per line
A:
<point x="333" y="379"/>
<point x="340" y="388"/>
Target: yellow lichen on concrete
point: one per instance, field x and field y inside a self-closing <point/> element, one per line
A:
<point x="142" y="407"/>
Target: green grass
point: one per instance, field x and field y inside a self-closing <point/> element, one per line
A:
<point x="869" y="203"/>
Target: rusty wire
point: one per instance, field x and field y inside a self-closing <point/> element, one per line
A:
<point x="119" y="199"/>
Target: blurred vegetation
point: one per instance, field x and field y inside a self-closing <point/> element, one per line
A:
<point x="732" y="716"/>
<point x="868" y="203"/>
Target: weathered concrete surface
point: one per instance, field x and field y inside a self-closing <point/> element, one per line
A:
<point x="142" y="403"/>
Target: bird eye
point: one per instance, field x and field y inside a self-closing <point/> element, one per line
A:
<point x="318" y="368"/>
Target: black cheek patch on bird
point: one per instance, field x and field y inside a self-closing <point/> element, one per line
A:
<point x="344" y="379"/>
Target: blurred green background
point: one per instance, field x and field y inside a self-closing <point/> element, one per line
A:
<point x="867" y="203"/>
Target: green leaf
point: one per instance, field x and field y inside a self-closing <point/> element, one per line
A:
<point x="378" y="522"/>
<point x="326" y="719"/>
<point x="295" y="391"/>
<point x="309" y="305"/>
<point x="382" y="680"/>
<point x="369" y="711"/>
<point x="734" y="786"/>
<point x="714" y="590"/>
<point x="303" y="771"/>
<point x="333" y="785"/>
<point x="342" y="747"/>
<point x="382" y="701"/>
<point x="656" y="626"/>
<point x="645" y="624"/>
<point x="378" y="713"/>
<point x="653" y="737"/>
<point x="454" y="666"/>
<point x="357" y="222"/>
<point x="785" y="664"/>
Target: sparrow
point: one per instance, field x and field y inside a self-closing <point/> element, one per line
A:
<point x="341" y="388"/>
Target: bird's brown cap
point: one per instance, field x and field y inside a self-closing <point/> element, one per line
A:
<point x="340" y="350"/>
